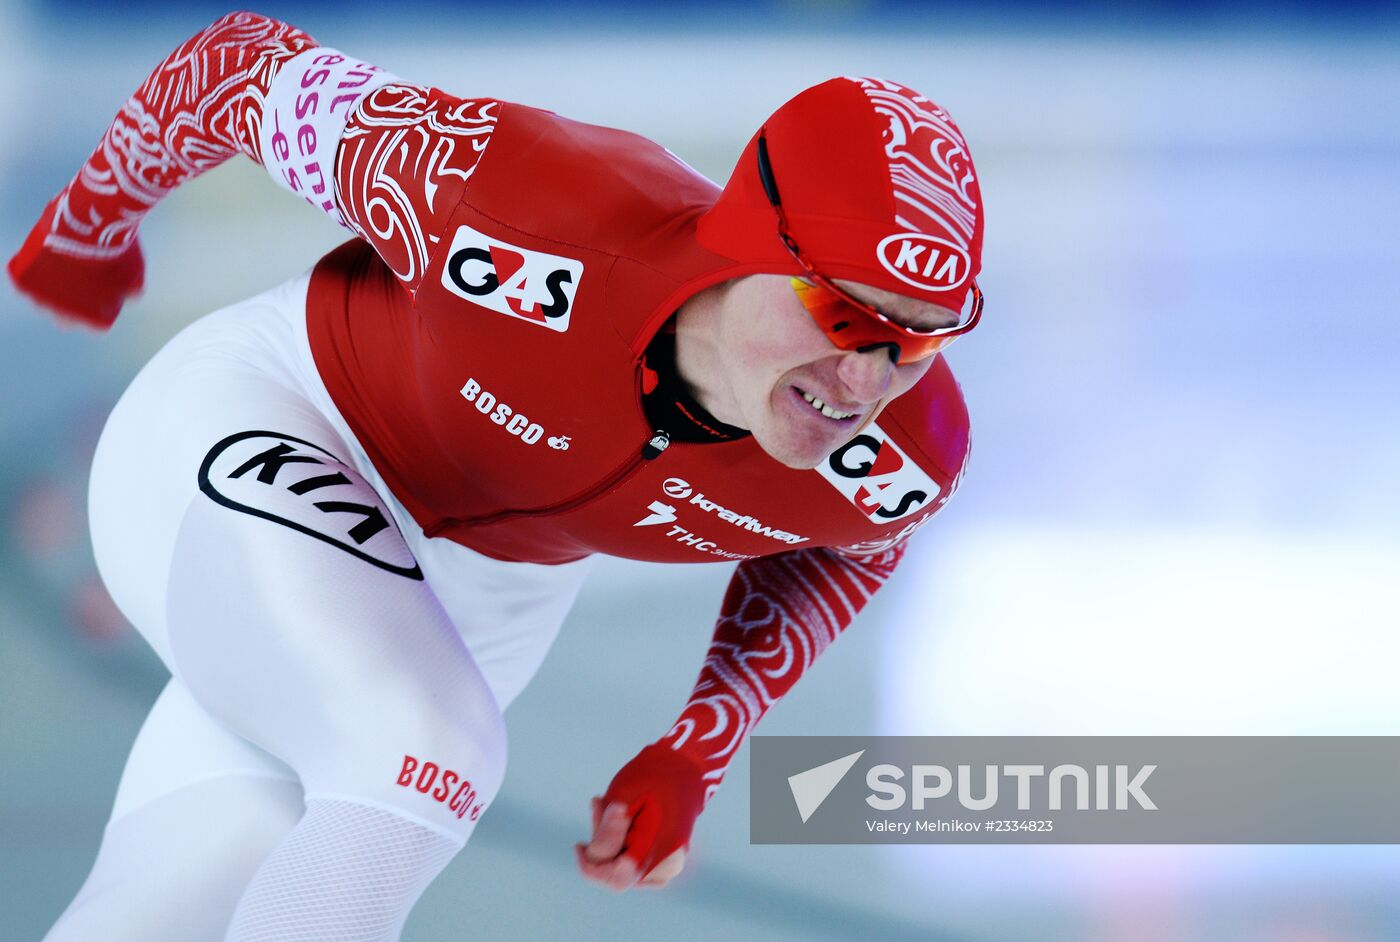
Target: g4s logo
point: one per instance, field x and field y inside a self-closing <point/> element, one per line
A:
<point x="878" y="478"/>
<point x="533" y="286"/>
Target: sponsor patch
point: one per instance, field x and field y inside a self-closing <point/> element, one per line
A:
<point x="443" y="785"/>
<point x="924" y="261"/>
<point x="657" y="512"/>
<point x="877" y="477"/>
<point x="680" y="489"/>
<point x="304" y="487"/>
<point x="518" y="282"/>
<point x="304" y="116"/>
<point x="702" y="544"/>
<point x="507" y="418"/>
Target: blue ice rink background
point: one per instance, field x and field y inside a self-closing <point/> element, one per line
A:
<point x="1180" y="516"/>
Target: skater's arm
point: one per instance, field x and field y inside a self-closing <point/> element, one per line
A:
<point x="199" y="107"/>
<point x="779" y="614"/>
<point x="386" y="158"/>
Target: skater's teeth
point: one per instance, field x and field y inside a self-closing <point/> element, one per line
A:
<point x="825" y="409"/>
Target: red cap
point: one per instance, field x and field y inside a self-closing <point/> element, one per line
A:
<point x="877" y="186"/>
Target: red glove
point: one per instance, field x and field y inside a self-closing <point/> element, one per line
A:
<point x="664" y="794"/>
<point x="90" y="290"/>
<point x="198" y="108"/>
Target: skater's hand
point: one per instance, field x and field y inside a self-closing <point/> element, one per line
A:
<point x="602" y="860"/>
<point x="643" y="822"/>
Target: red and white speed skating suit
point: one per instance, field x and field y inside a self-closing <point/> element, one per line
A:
<point x="483" y="345"/>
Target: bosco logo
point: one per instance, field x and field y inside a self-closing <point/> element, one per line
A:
<point x="923" y="261"/>
<point x="444" y="785"/>
<point x="880" y="479"/>
<point x="533" y="286"/>
<point x="505" y="416"/>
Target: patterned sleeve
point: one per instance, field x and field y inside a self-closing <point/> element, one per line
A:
<point x="404" y="162"/>
<point x="779" y="614"/>
<point x="253" y="85"/>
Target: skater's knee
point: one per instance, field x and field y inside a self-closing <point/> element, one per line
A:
<point x="440" y="759"/>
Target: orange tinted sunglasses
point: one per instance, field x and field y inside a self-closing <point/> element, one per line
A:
<point x="852" y="325"/>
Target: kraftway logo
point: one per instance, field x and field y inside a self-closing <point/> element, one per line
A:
<point x="304" y="487"/>
<point x="1114" y="789"/>
<point x="878" y="477"/>
<point x="680" y="489"/>
<point x="533" y="286"/>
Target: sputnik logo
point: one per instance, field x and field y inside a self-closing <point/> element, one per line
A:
<point x="811" y="788"/>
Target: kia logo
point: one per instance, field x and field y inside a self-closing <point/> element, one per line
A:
<point x="924" y="261"/>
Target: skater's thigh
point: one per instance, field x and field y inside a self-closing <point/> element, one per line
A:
<point x="181" y="745"/>
<point x="220" y="376"/>
<point x="233" y="529"/>
<point x="320" y="641"/>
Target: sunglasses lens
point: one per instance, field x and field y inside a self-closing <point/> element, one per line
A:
<point x="851" y="328"/>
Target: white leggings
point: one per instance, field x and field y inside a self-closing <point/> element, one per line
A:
<point x="332" y="729"/>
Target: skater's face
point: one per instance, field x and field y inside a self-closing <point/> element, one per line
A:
<point x="779" y="360"/>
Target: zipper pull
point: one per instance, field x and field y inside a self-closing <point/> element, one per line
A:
<point x="659" y="442"/>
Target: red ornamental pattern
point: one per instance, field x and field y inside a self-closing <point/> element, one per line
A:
<point x="780" y="613"/>
<point x="403" y="165"/>
<point x="930" y="167"/>
<point x="201" y="106"/>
